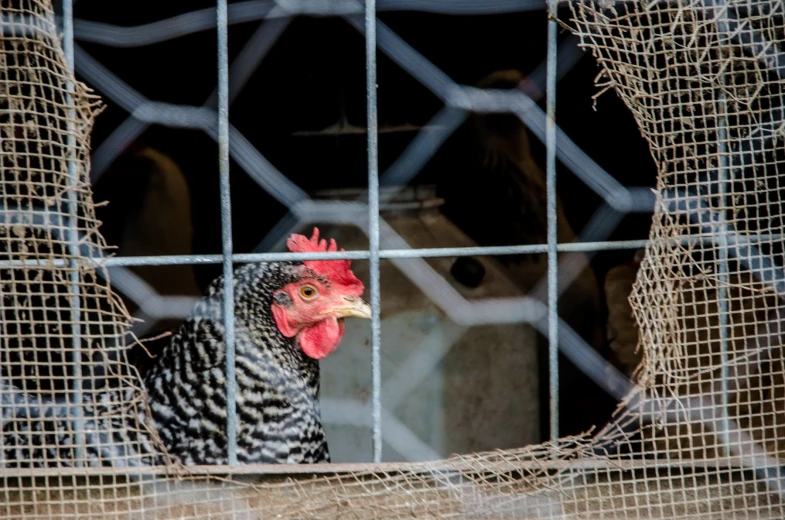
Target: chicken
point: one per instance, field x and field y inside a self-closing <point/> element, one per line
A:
<point x="497" y="196"/>
<point x="149" y="214"/>
<point x="288" y="316"/>
<point x="621" y="326"/>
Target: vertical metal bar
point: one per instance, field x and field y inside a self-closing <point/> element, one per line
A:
<point x="722" y="275"/>
<point x="553" y="266"/>
<point x="373" y="223"/>
<point x="222" y="27"/>
<point x="72" y="230"/>
<point x="722" y="245"/>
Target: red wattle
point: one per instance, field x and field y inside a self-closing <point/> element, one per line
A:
<point x="319" y="340"/>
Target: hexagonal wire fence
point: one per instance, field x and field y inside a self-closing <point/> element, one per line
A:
<point x="458" y="100"/>
<point x="618" y="199"/>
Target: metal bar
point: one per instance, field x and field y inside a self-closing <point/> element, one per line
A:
<point x="373" y="224"/>
<point x="722" y="245"/>
<point x="723" y="270"/>
<point x="435" y="252"/>
<point x="509" y="250"/>
<point x="253" y="10"/>
<point x="226" y="228"/>
<point x="351" y="469"/>
<point x="76" y="409"/>
<point x="550" y="179"/>
<point x="438" y="252"/>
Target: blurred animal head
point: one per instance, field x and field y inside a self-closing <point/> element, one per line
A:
<point x="503" y="131"/>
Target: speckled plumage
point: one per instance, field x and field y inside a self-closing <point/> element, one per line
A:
<point x="277" y="393"/>
<point x="277" y="384"/>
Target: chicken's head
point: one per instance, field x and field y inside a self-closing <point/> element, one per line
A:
<point x="312" y="308"/>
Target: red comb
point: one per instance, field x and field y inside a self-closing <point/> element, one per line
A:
<point x="337" y="271"/>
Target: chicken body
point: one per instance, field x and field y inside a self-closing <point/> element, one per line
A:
<point x="277" y="384"/>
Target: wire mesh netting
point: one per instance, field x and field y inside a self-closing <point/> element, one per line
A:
<point x="699" y="436"/>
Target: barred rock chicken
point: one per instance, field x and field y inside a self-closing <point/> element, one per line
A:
<point x="288" y="315"/>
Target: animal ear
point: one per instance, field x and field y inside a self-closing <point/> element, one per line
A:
<point x="282" y="322"/>
<point x="281" y="298"/>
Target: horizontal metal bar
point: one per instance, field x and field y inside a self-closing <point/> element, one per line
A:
<point x="436" y="252"/>
<point x="509" y="250"/>
<point x="249" y="11"/>
<point x="126" y="261"/>
<point x="237" y="257"/>
<point x="352" y="469"/>
<point x="439" y="252"/>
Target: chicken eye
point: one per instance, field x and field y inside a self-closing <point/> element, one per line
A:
<point x="308" y="292"/>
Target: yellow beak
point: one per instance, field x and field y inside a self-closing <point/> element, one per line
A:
<point x="355" y="308"/>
